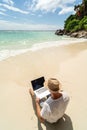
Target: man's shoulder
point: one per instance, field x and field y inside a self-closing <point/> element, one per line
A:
<point x="49" y="100"/>
<point x="65" y="96"/>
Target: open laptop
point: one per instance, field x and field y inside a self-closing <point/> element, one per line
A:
<point x="39" y="89"/>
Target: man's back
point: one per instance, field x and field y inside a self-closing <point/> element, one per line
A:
<point x="54" y="109"/>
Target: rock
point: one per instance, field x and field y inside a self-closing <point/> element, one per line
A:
<point x="59" y="32"/>
<point x="74" y="34"/>
<point x="79" y="34"/>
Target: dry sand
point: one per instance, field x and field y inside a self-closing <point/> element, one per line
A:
<point x="67" y="63"/>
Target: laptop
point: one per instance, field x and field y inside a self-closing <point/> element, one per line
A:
<point x="39" y="89"/>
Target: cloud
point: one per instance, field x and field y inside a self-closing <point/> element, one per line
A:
<point x="10" y="2"/>
<point x="1" y="13"/>
<point x="27" y="3"/>
<point x="40" y="15"/>
<point x="6" y="25"/>
<point x="51" y="5"/>
<point x="13" y="8"/>
<point x="1" y="9"/>
<point x="66" y="10"/>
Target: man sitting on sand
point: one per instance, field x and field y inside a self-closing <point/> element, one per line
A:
<point x="54" y="107"/>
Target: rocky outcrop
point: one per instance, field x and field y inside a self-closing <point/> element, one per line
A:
<point x="79" y="34"/>
<point x="59" y="32"/>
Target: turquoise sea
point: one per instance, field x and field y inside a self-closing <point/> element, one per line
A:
<point x="15" y="42"/>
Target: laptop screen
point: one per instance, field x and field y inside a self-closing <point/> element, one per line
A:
<point x="37" y="83"/>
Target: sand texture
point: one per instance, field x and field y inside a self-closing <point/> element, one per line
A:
<point x="67" y="63"/>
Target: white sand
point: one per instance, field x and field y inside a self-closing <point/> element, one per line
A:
<point x="67" y="63"/>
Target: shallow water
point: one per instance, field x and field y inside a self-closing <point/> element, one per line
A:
<point x="16" y="42"/>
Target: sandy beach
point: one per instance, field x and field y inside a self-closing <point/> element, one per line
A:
<point x="68" y="63"/>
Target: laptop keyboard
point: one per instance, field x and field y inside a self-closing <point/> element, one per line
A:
<point x="42" y="90"/>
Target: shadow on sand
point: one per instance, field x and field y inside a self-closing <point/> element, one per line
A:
<point x="64" y="123"/>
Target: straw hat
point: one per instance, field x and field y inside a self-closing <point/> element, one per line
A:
<point x="53" y="84"/>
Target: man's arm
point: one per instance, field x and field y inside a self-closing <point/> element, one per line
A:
<point x="38" y="109"/>
<point x="37" y="101"/>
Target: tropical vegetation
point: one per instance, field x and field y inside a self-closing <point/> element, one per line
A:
<point x="78" y="21"/>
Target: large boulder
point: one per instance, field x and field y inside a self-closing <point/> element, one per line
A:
<point x="79" y="34"/>
<point x="59" y="32"/>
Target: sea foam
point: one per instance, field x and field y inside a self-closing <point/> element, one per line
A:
<point x="6" y="53"/>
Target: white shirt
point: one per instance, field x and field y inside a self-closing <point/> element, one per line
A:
<point x="54" y="109"/>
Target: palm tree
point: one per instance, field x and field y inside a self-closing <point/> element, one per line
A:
<point x="76" y="8"/>
<point x="85" y="6"/>
<point x="81" y="10"/>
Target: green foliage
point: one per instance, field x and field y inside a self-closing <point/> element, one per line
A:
<point x="76" y="28"/>
<point x="72" y="25"/>
<point x="82" y="23"/>
<point x="85" y="27"/>
<point x="75" y="23"/>
<point x="70" y="18"/>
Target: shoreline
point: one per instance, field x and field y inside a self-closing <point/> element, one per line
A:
<point x="68" y="63"/>
<point x="6" y="53"/>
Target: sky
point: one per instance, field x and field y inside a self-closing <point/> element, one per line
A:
<point x="35" y="14"/>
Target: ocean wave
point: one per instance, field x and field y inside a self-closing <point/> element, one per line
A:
<point x="56" y="43"/>
<point x="6" y="53"/>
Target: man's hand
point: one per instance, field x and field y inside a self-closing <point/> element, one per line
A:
<point x="31" y="92"/>
<point x="38" y="109"/>
<point x="37" y="100"/>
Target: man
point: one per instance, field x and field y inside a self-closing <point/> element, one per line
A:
<point x="54" y="107"/>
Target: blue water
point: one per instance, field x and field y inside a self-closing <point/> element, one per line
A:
<point x="16" y="42"/>
<point x="25" y="39"/>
